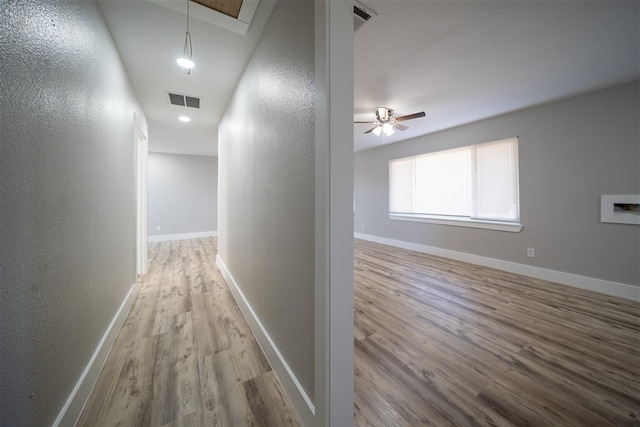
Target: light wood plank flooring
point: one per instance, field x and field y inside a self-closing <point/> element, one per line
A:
<point x="185" y="355"/>
<point x="440" y="342"/>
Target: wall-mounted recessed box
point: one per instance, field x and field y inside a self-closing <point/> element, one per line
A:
<point x="620" y="208"/>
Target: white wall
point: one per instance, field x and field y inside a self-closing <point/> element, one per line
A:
<point x="182" y="194"/>
<point x="202" y="140"/>
<point x="285" y="203"/>
<point x="571" y="152"/>
<point x="334" y="57"/>
<point x="266" y="186"/>
<point x="66" y="199"/>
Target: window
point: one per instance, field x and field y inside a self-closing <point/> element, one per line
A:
<point x="475" y="186"/>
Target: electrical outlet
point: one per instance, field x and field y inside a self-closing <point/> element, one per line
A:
<point x="531" y="252"/>
<point x="157" y="228"/>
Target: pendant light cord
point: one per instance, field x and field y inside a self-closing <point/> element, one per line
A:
<point x="188" y="48"/>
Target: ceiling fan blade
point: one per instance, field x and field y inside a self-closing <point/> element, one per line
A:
<point x="411" y="116"/>
<point x="371" y="130"/>
<point x="370" y="123"/>
<point x="398" y="126"/>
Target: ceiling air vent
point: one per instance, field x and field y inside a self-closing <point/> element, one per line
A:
<point x="361" y="16"/>
<point x="184" y="100"/>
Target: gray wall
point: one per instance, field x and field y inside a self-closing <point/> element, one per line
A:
<point x="266" y="185"/>
<point x="571" y="152"/>
<point x="66" y="199"/>
<point x="182" y="193"/>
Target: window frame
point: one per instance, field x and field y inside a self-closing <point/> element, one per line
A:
<point x="465" y="221"/>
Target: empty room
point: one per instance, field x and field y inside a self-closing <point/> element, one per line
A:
<point x="320" y="213"/>
<point x="496" y="213"/>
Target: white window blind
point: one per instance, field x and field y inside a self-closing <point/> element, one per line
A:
<point x="496" y="181"/>
<point x="442" y="183"/>
<point x="401" y="182"/>
<point x="476" y="182"/>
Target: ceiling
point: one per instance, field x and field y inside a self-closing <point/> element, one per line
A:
<point x="150" y="34"/>
<point x="458" y="61"/>
<point x="462" y="61"/>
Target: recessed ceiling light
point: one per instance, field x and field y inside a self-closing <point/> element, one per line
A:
<point x="184" y="119"/>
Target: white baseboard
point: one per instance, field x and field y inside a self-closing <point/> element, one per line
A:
<point x="182" y="236"/>
<point x="301" y="402"/>
<point x="78" y="398"/>
<point x="620" y="290"/>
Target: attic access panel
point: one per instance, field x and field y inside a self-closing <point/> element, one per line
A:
<point x="220" y="13"/>
<point x="228" y="7"/>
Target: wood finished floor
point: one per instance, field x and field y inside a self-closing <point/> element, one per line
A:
<point x="185" y="355"/>
<point x="444" y="343"/>
<point x="438" y="342"/>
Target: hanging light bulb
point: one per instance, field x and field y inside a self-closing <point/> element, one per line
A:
<point x="388" y="129"/>
<point x="187" y="52"/>
<point x="185" y="63"/>
<point x="377" y="130"/>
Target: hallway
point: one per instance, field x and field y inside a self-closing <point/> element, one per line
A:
<point x="185" y="355"/>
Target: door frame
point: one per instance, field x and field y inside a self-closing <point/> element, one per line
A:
<point x="141" y="149"/>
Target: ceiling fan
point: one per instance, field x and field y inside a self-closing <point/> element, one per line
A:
<point x="386" y="122"/>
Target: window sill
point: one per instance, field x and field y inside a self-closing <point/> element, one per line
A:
<point x="512" y="227"/>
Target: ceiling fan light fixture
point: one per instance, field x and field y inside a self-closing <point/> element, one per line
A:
<point x="383" y="114"/>
<point x="387" y="122"/>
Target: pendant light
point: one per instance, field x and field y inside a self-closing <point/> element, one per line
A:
<point x="187" y="52"/>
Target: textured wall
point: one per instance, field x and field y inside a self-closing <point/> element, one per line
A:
<point x="266" y="184"/>
<point x="67" y="199"/>
<point x="571" y="152"/>
<point x="182" y="193"/>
